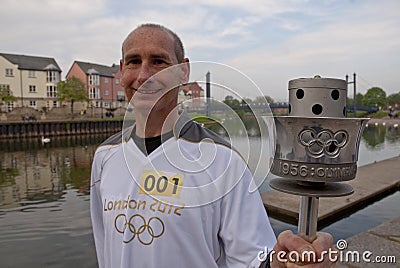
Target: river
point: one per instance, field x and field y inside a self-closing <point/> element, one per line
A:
<point x="44" y="198"/>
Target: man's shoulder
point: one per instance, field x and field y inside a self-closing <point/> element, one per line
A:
<point x="110" y="144"/>
<point x="113" y="140"/>
<point x="193" y="132"/>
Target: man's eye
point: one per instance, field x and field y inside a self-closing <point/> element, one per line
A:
<point x="133" y="61"/>
<point x="158" y="62"/>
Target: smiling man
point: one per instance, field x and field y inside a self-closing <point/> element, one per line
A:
<point x="149" y="205"/>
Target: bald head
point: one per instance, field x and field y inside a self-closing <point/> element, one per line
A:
<point x="178" y="45"/>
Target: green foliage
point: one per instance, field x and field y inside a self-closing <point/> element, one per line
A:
<point x="6" y="96"/>
<point x="359" y="97"/>
<point x="375" y="97"/>
<point x="7" y="176"/>
<point x="262" y="99"/>
<point x="393" y="98"/>
<point x="359" y="114"/>
<point x="72" y="90"/>
<point x="379" y="114"/>
<point x="231" y="102"/>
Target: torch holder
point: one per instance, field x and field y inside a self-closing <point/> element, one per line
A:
<point x="314" y="155"/>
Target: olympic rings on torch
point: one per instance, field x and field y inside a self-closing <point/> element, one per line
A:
<point x="323" y="142"/>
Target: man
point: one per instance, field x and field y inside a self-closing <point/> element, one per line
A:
<point x="148" y="203"/>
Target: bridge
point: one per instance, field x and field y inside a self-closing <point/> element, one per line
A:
<point x="280" y="105"/>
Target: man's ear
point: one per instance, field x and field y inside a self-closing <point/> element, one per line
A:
<point x="185" y="67"/>
<point x="120" y="64"/>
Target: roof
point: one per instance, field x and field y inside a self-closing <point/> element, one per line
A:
<point x="192" y="86"/>
<point x="102" y="70"/>
<point x="25" y="62"/>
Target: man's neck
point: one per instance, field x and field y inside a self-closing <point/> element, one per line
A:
<point x="155" y="124"/>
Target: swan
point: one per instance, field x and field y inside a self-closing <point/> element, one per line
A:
<point x="45" y="140"/>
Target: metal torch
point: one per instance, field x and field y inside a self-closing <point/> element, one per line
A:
<point x="316" y="147"/>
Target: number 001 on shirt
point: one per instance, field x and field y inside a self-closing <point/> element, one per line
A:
<point x="154" y="182"/>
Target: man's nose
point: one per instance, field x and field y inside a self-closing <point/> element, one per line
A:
<point x="144" y="73"/>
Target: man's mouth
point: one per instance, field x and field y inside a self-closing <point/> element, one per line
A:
<point x="146" y="90"/>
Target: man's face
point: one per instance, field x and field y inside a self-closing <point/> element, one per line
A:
<point x="148" y="51"/>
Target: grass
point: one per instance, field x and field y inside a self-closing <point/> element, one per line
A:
<point x="379" y="114"/>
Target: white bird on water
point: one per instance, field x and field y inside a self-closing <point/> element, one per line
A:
<point x="45" y="140"/>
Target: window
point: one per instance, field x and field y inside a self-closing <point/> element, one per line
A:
<point x="31" y="74"/>
<point x="55" y="103"/>
<point x="120" y="95"/>
<point x="117" y="81"/>
<point x="106" y="92"/>
<point x="94" y="93"/>
<point x="5" y="87"/>
<point x="96" y="104"/>
<point x="32" y="104"/>
<point x="52" y="77"/>
<point x="106" y="104"/>
<point x="94" y="79"/>
<point x="51" y="91"/>
<point x="106" y="80"/>
<point x="10" y="106"/>
<point x="32" y="89"/>
<point x="9" y="72"/>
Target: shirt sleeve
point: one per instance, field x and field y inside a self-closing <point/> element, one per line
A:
<point x="96" y="209"/>
<point x="245" y="229"/>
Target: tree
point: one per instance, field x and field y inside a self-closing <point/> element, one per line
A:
<point x="6" y="96"/>
<point x="393" y="98"/>
<point x="359" y="97"/>
<point x="261" y="99"/>
<point x="375" y="96"/>
<point x="72" y="90"/>
<point x="231" y="101"/>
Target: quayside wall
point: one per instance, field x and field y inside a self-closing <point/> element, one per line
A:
<point x="16" y="130"/>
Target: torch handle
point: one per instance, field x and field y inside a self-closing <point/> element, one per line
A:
<point x="308" y="217"/>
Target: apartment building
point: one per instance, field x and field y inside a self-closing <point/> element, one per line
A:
<point x="191" y="96"/>
<point x="102" y="83"/>
<point x="31" y="79"/>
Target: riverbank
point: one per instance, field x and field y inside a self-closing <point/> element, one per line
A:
<point x="386" y="121"/>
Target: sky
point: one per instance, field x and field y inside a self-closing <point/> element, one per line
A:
<point x="269" y="41"/>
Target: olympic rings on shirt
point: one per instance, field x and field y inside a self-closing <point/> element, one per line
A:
<point x="137" y="226"/>
<point x="323" y="142"/>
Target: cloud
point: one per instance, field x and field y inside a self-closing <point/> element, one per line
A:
<point x="271" y="41"/>
<point x="366" y="43"/>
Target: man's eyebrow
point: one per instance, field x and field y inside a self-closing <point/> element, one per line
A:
<point x="131" y="56"/>
<point x="159" y="55"/>
<point x="154" y="56"/>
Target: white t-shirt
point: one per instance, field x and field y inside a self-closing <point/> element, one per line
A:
<point x="187" y="204"/>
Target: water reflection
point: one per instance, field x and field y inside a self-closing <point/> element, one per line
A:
<point x="44" y="207"/>
<point x="375" y="136"/>
<point x="31" y="172"/>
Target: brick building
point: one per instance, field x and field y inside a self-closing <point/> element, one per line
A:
<point x="102" y="83"/>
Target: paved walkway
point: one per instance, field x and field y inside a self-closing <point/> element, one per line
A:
<point x="385" y="121"/>
<point x="383" y="243"/>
